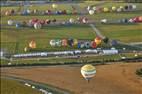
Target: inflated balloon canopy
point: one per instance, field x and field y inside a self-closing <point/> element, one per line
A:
<point x="32" y="44"/>
<point x="37" y="26"/>
<point x="88" y="71"/>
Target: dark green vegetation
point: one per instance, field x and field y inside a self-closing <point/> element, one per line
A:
<point x="15" y="87"/>
<point x="139" y="72"/>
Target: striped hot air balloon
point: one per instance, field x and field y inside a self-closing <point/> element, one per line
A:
<point x="88" y="71"/>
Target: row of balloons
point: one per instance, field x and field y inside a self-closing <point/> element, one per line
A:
<point x="71" y="42"/>
<point x="37" y="12"/>
<point x="74" y="42"/>
<point x="124" y="20"/>
<point x="37" y="24"/>
<point x="94" y="9"/>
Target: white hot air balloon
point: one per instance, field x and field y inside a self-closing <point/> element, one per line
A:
<point x="134" y="6"/>
<point x="94" y="8"/>
<point x="37" y="26"/>
<point x="10" y="22"/>
<point x="91" y="12"/>
<point x="88" y="8"/>
<point x="104" y="21"/>
<point x="52" y="42"/>
<point x="71" y="20"/>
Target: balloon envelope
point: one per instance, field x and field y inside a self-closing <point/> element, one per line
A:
<point x="64" y="42"/>
<point x="52" y="42"/>
<point x="106" y="9"/>
<point x="37" y="25"/>
<point x="10" y="22"/>
<point x="32" y="44"/>
<point x="54" y="5"/>
<point x="88" y="71"/>
<point x="91" y="12"/>
<point x="71" y="20"/>
<point x="98" y="40"/>
<point x="114" y="8"/>
<point x="104" y="21"/>
<point x="93" y="44"/>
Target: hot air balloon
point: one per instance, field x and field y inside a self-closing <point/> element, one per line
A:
<point x="32" y="44"/>
<point x="37" y="25"/>
<point x="75" y="42"/>
<point x="106" y="9"/>
<point x="114" y="42"/>
<point x="58" y="42"/>
<point x="82" y="45"/>
<point x="104" y="21"/>
<point x="18" y="25"/>
<point x="88" y="71"/>
<point x="85" y="20"/>
<point x="91" y="12"/>
<point x="98" y="40"/>
<point x="78" y="45"/>
<point x="113" y="8"/>
<point x="10" y="22"/>
<point x="88" y="8"/>
<point x="26" y="49"/>
<point x="93" y="44"/>
<point x="54" y="6"/>
<point x="87" y="45"/>
<point x="64" y="42"/>
<point x="70" y="42"/>
<point x="7" y="13"/>
<point x="47" y="21"/>
<point x="134" y="6"/>
<point x="94" y="8"/>
<point x="71" y="20"/>
<point x="52" y="42"/>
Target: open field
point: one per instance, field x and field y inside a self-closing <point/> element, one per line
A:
<point x="110" y="79"/>
<point x="14" y="87"/>
<point x="14" y="40"/>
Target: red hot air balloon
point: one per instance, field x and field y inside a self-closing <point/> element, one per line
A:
<point x="93" y="44"/>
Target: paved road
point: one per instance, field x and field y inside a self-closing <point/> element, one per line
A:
<point x="41" y="87"/>
<point x="98" y="33"/>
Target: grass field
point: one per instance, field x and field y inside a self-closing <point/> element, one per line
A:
<point x="15" y="87"/>
<point x="15" y="40"/>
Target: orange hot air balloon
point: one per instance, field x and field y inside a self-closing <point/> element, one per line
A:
<point x="32" y="44"/>
<point x="64" y="42"/>
<point x="98" y="40"/>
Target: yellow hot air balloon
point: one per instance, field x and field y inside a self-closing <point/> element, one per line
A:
<point x="98" y="40"/>
<point x="88" y="71"/>
<point x="32" y="44"/>
<point x="54" y="5"/>
<point x="106" y="9"/>
<point x="75" y="42"/>
<point x="113" y="8"/>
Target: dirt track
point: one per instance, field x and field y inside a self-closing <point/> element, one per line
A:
<point x="110" y="79"/>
